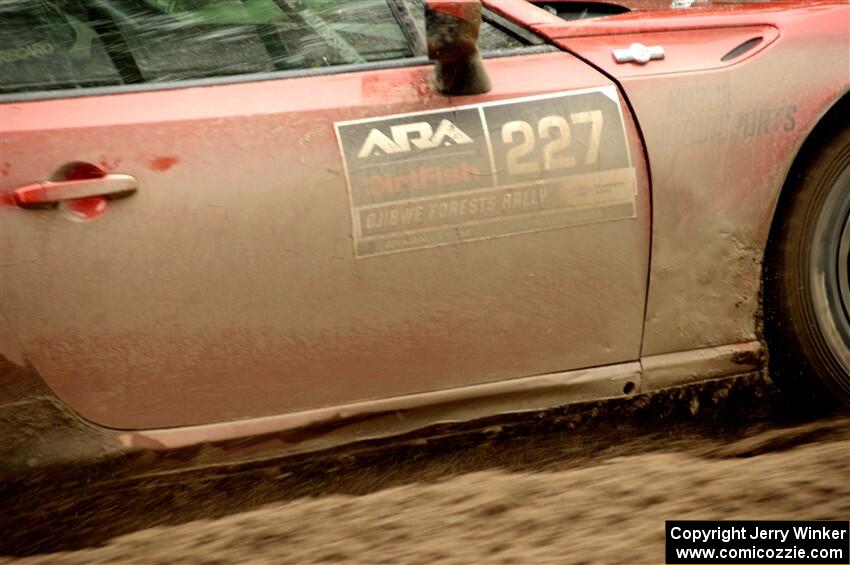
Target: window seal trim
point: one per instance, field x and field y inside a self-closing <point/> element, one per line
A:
<point x="255" y="77"/>
<point x="408" y="26"/>
<point x="511" y="28"/>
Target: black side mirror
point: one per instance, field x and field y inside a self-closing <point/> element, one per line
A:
<point x="452" y="28"/>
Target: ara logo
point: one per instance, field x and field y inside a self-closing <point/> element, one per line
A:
<point x="419" y="135"/>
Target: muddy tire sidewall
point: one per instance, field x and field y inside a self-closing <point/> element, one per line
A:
<point x="828" y="270"/>
<point x="806" y="315"/>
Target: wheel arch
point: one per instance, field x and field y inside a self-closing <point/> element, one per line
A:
<point x="834" y="118"/>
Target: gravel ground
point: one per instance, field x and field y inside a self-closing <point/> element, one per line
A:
<point x="609" y="510"/>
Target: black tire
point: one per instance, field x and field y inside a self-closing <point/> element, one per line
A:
<point x="806" y="285"/>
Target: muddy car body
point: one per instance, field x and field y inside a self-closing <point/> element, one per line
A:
<point x="318" y="253"/>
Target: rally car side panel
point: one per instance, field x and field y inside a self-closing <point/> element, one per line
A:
<point x="62" y="437"/>
<point x="228" y="287"/>
<point x="707" y="221"/>
<point x="720" y="144"/>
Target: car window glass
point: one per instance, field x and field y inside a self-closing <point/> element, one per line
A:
<point x="135" y="41"/>
<point x="180" y="39"/>
<point x="43" y="46"/>
<point x="494" y="39"/>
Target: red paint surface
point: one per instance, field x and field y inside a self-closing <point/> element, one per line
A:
<point x="687" y="51"/>
<point x="6" y="169"/>
<point x="461" y="9"/>
<point x="647" y="17"/>
<point x="86" y="209"/>
<point x="161" y="164"/>
<point x="389" y="88"/>
<point x="109" y="165"/>
<point x="7" y="199"/>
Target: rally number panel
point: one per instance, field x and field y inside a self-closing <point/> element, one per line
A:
<point x="477" y="172"/>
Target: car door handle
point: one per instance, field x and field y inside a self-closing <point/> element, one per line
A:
<point x="41" y="194"/>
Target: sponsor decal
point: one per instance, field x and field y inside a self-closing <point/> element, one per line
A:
<point x="477" y="172"/>
<point x="37" y="50"/>
<point x="424" y="138"/>
<point x="704" y="114"/>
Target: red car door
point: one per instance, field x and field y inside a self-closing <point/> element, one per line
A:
<point x="304" y="222"/>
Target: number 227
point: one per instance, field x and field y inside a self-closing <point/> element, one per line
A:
<point x="553" y="157"/>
